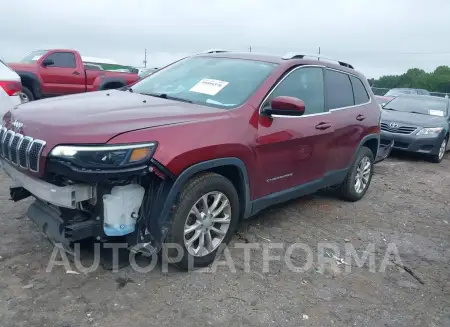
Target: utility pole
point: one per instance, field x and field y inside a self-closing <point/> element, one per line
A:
<point x="319" y="54"/>
<point x="145" y="59"/>
<point x="250" y="48"/>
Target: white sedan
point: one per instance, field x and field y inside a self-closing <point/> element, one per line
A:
<point x="10" y="88"/>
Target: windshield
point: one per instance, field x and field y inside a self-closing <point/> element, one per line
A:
<point x="34" y="56"/>
<point x="395" y="92"/>
<point x="216" y="82"/>
<point x="425" y="105"/>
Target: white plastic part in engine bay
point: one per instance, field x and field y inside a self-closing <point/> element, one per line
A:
<point x="121" y="208"/>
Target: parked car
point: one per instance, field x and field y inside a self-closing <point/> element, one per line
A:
<point x="382" y="100"/>
<point x="252" y="131"/>
<point x="417" y="124"/>
<point x="48" y="73"/>
<point x="399" y="91"/>
<point x="10" y="88"/>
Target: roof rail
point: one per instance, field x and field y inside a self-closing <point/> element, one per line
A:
<point x="294" y="55"/>
<point x="215" y="51"/>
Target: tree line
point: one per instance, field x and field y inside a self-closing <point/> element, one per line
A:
<point x="436" y="81"/>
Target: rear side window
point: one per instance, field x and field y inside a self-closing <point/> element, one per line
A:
<point x="359" y="91"/>
<point x="63" y="59"/>
<point x="338" y="90"/>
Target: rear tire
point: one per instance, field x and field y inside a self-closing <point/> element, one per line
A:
<point x="213" y="233"/>
<point x="26" y="95"/>
<point x="361" y="170"/>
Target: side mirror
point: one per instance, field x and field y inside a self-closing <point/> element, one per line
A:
<point x="48" y="62"/>
<point x="286" y="106"/>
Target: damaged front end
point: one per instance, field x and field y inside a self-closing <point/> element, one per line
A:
<point x="73" y="203"/>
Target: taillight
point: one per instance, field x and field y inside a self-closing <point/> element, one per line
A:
<point x="11" y="88"/>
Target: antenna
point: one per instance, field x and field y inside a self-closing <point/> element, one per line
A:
<point x="145" y="58"/>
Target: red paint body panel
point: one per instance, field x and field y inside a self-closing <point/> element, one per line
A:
<point x="188" y="134"/>
<point x="66" y="81"/>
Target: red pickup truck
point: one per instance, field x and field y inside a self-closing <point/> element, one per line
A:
<point x="47" y="73"/>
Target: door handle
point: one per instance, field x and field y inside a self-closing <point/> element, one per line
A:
<point x="75" y="73"/>
<point x="323" y="126"/>
<point x="360" y="117"/>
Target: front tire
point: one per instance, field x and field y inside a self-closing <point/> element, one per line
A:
<point x="358" y="177"/>
<point x="205" y="217"/>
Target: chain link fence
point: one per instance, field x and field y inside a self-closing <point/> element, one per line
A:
<point x="382" y="91"/>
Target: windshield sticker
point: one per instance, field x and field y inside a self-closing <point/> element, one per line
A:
<point x="436" y="113"/>
<point x="209" y="86"/>
<point x="36" y="58"/>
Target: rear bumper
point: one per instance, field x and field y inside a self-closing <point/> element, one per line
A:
<point x="62" y="196"/>
<point x="427" y="144"/>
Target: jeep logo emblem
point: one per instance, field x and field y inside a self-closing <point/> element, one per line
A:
<point x="17" y="125"/>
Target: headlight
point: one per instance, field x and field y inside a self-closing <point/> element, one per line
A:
<point x="430" y="131"/>
<point x="105" y="156"/>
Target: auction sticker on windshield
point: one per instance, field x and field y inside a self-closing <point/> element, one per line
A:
<point x="209" y="86"/>
<point x="36" y="58"/>
<point x="436" y="113"/>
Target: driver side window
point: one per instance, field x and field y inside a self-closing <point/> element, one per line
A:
<point x="305" y="84"/>
<point x="63" y="60"/>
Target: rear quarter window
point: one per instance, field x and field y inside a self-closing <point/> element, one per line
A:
<point x="359" y="91"/>
<point x="338" y="90"/>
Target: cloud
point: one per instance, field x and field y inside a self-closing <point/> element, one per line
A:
<point x="378" y="37"/>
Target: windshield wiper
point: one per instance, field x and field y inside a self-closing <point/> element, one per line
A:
<point x="389" y="109"/>
<point x="169" y="97"/>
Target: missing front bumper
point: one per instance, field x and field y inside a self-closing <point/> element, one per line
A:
<point x="63" y="196"/>
<point x="58" y="231"/>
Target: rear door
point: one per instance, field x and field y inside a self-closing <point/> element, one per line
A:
<point x="292" y="151"/>
<point x="345" y="98"/>
<point x="63" y="76"/>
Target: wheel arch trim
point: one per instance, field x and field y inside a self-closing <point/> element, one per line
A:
<point x="191" y="171"/>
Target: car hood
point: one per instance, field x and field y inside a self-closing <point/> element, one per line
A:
<point x="96" y="117"/>
<point x="412" y="118"/>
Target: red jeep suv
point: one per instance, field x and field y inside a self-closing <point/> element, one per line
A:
<point x="186" y="153"/>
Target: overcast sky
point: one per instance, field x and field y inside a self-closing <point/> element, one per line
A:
<point x="378" y="37"/>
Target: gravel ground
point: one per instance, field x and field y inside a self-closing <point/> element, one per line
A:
<point x="406" y="208"/>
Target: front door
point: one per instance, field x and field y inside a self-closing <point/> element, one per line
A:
<point x="293" y="151"/>
<point x="63" y="76"/>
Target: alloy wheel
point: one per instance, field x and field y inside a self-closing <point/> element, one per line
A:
<point x="207" y="224"/>
<point x="442" y="149"/>
<point x="363" y="171"/>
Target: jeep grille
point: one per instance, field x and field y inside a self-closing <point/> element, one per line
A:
<point x="22" y="151"/>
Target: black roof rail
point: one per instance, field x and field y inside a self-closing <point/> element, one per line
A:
<point x="295" y="55"/>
